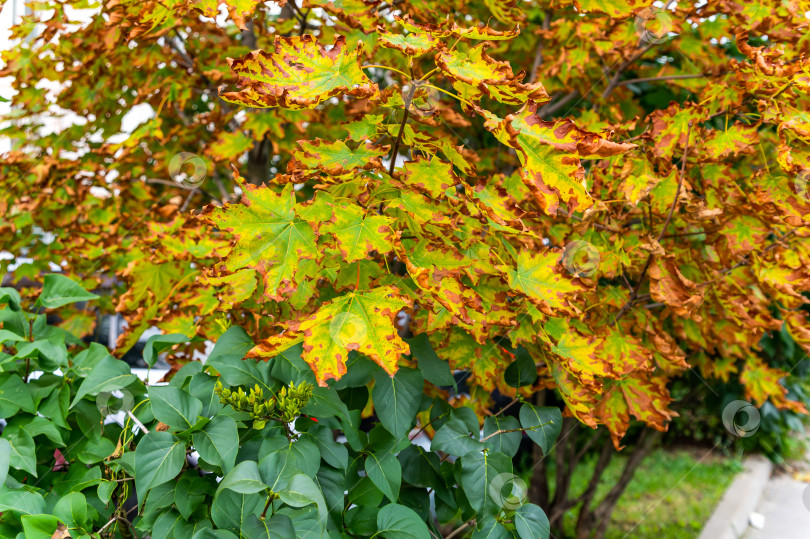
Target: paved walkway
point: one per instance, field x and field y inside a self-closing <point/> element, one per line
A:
<point x="787" y="514"/>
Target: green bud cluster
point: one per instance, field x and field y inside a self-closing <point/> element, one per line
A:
<point x="253" y="402"/>
<point x="285" y="408"/>
<point x="291" y="399"/>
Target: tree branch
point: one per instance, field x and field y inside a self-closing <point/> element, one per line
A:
<point x="248" y="35"/>
<point x="680" y="184"/>
<point x="624" y="65"/>
<point x="551" y="108"/>
<point x="634" y="295"/>
<point x="642" y="449"/>
<point x="408" y="100"/>
<point x="180" y="186"/>
<point x="747" y="258"/>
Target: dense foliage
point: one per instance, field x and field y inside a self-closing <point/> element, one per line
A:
<point x="588" y="198"/>
<point x="236" y="448"/>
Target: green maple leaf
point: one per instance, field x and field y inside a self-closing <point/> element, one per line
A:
<point x="358" y="233"/>
<point x="550" y="154"/>
<point x="414" y="44"/>
<point x="337" y="158"/>
<point x="486" y="364"/>
<point x="643" y="396"/>
<point x="737" y="139"/>
<point x="496" y="202"/>
<point x="445" y="285"/>
<point x="744" y="233"/>
<point x="365" y="127"/>
<point x="361" y="321"/>
<point x="507" y="11"/>
<point x="619" y="9"/>
<point x="426" y="255"/>
<point x="148" y="277"/>
<point x="580" y="356"/>
<point x="625" y="353"/>
<point x="270" y="238"/>
<point x="299" y="73"/>
<point x="670" y="127"/>
<point x="488" y="76"/>
<point x="239" y="10"/>
<point x="538" y="275"/>
<point x="356" y="13"/>
<point x="637" y="180"/>
<point x="432" y="176"/>
<point x="448" y="28"/>
<point x="230" y="145"/>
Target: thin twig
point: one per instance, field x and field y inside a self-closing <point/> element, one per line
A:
<point x="104" y="527"/>
<point x="423" y="427"/>
<point x="634" y="294"/>
<point x="624" y="65"/>
<point x="551" y="108"/>
<point x="137" y="422"/>
<point x="460" y="529"/>
<point x="505" y="408"/>
<point x="408" y="100"/>
<point x="682" y="234"/>
<point x="180" y="186"/>
<point x="661" y="78"/>
<point x="680" y="184"/>
<point x="747" y="259"/>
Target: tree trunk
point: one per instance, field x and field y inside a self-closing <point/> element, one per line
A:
<point x="593" y="524"/>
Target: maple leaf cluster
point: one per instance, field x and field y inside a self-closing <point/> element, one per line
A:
<point x="620" y="190"/>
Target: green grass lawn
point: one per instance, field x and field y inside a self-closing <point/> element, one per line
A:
<point x="671" y="496"/>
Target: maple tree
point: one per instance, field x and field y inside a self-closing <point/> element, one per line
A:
<point x="579" y="197"/>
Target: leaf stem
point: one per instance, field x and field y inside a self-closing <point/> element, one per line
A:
<point x="429" y="74"/>
<point x="269" y="501"/>
<point x="386" y="67"/>
<point x="506" y="431"/>
<point x="451" y="94"/>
